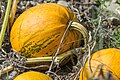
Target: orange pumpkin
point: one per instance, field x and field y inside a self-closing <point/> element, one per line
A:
<point x="109" y="59"/>
<point x="32" y="75"/>
<point x="37" y="32"/>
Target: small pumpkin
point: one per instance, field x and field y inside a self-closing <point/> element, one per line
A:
<point x="33" y="75"/>
<point x="37" y="32"/>
<point x="107" y="59"/>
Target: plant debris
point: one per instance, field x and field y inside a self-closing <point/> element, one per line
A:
<point x="103" y="25"/>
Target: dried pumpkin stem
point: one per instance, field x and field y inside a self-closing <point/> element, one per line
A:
<point x="82" y="30"/>
<point x="5" y="22"/>
<point x="13" y="11"/>
<point x="49" y="59"/>
<point x="41" y="59"/>
<point x="7" y="69"/>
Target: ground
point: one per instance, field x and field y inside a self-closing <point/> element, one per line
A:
<point x="100" y="17"/>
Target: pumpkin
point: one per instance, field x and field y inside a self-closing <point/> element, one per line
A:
<point x="32" y="75"/>
<point x="37" y="32"/>
<point x="107" y="59"/>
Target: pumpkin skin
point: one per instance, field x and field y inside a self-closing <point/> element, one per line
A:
<point x="32" y="75"/>
<point x="108" y="59"/>
<point x="37" y="31"/>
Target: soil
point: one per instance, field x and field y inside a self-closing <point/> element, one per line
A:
<point x="102" y="20"/>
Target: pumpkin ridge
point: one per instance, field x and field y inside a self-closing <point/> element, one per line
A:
<point x="20" y="30"/>
<point x="37" y="35"/>
<point x="33" y="36"/>
<point x="40" y="45"/>
<point x="64" y="9"/>
<point x="19" y="34"/>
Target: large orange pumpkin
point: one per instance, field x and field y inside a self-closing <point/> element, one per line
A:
<point x="32" y="75"/>
<point x="107" y="59"/>
<point x="37" y="31"/>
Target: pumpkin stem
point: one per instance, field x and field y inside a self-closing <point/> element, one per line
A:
<point x="59" y="59"/>
<point x="77" y="26"/>
<point x="49" y="59"/>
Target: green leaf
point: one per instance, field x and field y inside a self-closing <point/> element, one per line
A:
<point x="118" y="1"/>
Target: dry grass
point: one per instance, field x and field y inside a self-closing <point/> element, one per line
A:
<point x="104" y="32"/>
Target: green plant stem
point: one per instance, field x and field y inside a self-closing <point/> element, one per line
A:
<point x="49" y="59"/>
<point x="42" y="59"/>
<point x="5" y="22"/>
